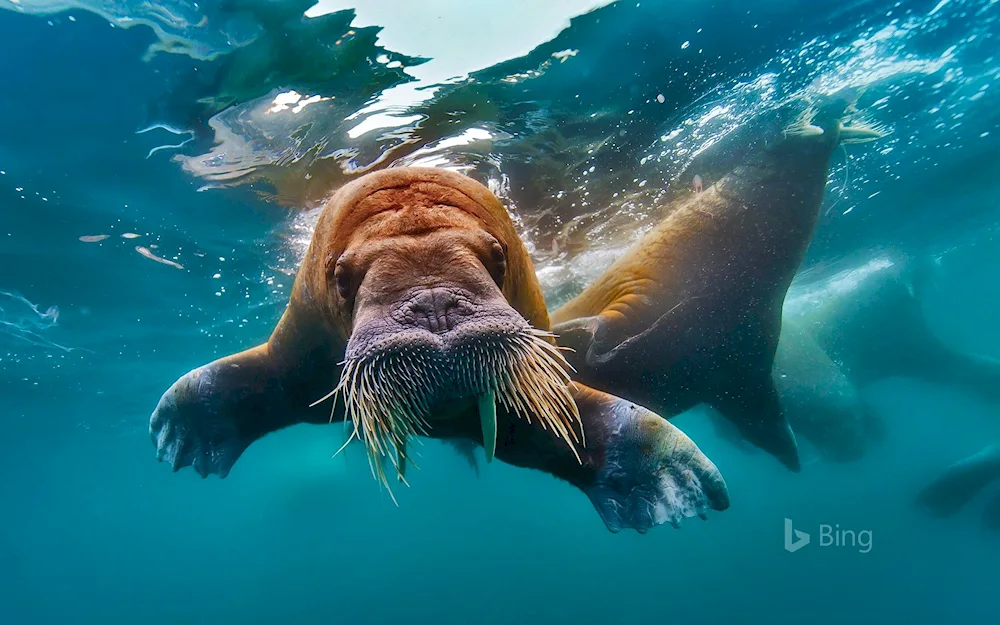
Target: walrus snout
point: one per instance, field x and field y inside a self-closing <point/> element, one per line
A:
<point x="437" y="309"/>
<point x="441" y="319"/>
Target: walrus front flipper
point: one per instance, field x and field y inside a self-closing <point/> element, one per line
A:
<point x="638" y="470"/>
<point x="578" y="335"/>
<point x="960" y="483"/>
<point x="600" y="342"/>
<point x="208" y="417"/>
<point x="652" y="473"/>
<point x="756" y="410"/>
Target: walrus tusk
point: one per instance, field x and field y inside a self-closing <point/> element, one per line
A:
<point x="487" y="406"/>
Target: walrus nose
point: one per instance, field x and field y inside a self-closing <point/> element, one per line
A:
<point x="436" y="310"/>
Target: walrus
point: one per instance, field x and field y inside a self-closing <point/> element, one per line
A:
<point x="960" y="483"/>
<point x="691" y="314"/>
<point x="417" y="304"/>
<point x="863" y="324"/>
<point x="822" y="404"/>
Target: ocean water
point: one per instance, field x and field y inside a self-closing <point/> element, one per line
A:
<point x="162" y="164"/>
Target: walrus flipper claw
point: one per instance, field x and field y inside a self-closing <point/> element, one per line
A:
<point x="208" y="417"/>
<point x="653" y="474"/>
<point x="192" y="427"/>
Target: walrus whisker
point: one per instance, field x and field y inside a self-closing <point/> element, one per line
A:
<point x="323" y="399"/>
<point x="555" y="351"/>
<point x="524" y="372"/>
<point x="551" y="369"/>
<point x="332" y="393"/>
<point x="514" y="399"/>
<point x="528" y="373"/>
<point x="354" y="433"/>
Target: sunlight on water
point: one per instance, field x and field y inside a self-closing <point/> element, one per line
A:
<point x="24" y="322"/>
<point x="181" y="26"/>
<point x="881" y="61"/>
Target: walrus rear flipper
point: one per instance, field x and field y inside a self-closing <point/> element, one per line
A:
<point x="960" y="483"/>
<point x="756" y="410"/>
<point x="727" y="431"/>
<point x="208" y="417"/>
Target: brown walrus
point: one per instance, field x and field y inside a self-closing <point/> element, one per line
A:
<point x="417" y="301"/>
<point x="692" y="313"/>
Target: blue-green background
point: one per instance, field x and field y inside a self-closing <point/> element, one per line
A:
<point x="94" y="530"/>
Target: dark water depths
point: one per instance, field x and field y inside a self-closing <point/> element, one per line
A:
<point x="200" y="138"/>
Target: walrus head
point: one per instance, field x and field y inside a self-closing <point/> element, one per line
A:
<point x="435" y="297"/>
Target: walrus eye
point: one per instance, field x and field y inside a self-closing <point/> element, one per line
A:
<point x="498" y="263"/>
<point x="344" y="277"/>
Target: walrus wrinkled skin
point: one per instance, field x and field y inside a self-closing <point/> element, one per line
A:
<point x="691" y="314"/>
<point x="861" y="325"/>
<point x="959" y="485"/>
<point x="428" y="259"/>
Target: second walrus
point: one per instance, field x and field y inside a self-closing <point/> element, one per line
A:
<point x="692" y="313"/>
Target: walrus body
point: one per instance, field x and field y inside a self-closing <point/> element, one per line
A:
<point x="961" y="482"/>
<point x="692" y="313"/>
<point x="419" y="303"/>
<point x="862" y="325"/>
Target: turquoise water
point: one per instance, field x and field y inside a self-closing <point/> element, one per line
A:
<point x="581" y="126"/>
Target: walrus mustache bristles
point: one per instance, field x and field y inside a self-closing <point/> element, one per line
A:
<point x="524" y="372"/>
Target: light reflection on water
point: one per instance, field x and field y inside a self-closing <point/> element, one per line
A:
<point x="23" y="321"/>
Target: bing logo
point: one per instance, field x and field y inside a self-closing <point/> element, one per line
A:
<point x="829" y="536"/>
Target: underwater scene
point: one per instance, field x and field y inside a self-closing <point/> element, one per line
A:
<point x="561" y="311"/>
